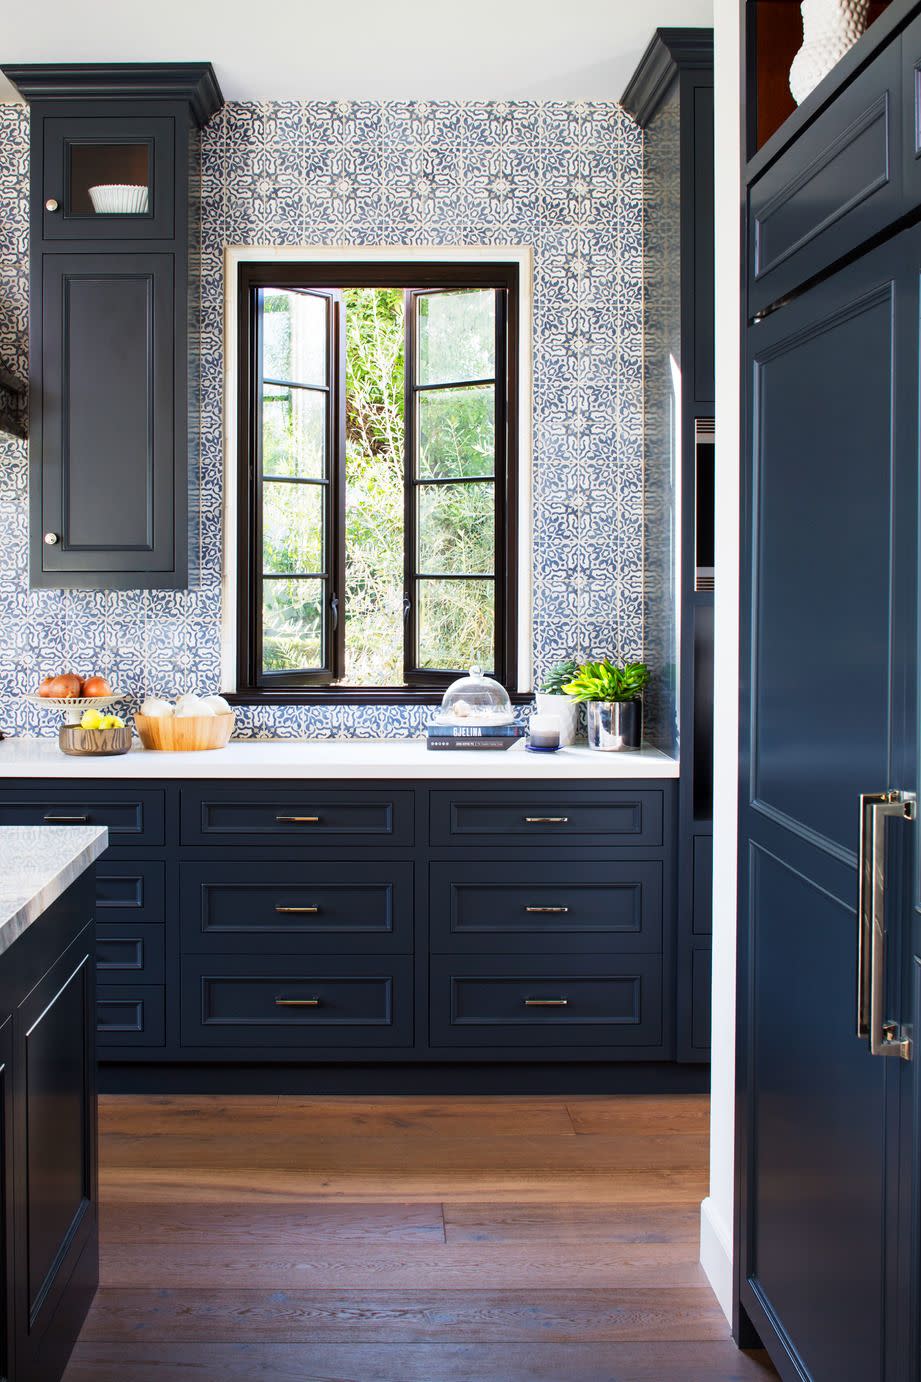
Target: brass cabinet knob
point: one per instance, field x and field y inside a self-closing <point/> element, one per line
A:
<point x="50" y="539"/>
<point x="52" y="204"/>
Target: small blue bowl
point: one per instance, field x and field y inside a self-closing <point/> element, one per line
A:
<point x="542" y="748"/>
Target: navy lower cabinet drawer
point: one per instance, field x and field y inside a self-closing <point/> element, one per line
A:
<point x="130" y="893"/>
<point x="228" y="814"/>
<point x="292" y="907"/>
<point x="837" y="185"/>
<point x="132" y="818"/>
<point x="611" y="816"/>
<point x="129" y="954"/>
<point x="533" y="908"/>
<point x="547" y="1000"/>
<point x="324" y="1001"/>
<point x="130" y="1015"/>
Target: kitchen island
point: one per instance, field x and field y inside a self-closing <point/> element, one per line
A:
<point x="49" y="1259"/>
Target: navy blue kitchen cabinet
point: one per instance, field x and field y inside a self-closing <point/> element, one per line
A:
<point x="828" y="1134"/>
<point x="671" y="97"/>
<point x="49" y="1258"/>
<point x="113" y="294"/>
<point x="311" y="921"/>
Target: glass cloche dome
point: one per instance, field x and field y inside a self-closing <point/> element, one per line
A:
<point x="475" y="700"/>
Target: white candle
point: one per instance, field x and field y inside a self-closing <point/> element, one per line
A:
<point x="545" y="731"/>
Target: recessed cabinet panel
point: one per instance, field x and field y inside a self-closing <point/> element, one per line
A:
<point x="58" y="1167"/>
<point x="533" y="907"/>
<point x="312" y="815"/>
<point x="107" y="404"/>
<point x="836" y="186"/>
<point x="289" y="907"/>
<point x="109" y="178"/>
<point x="131" y="818"/>
<point x="557" y="816"/>
<point x="129" y="954"/>
<point x="129" y="1014"/>
<point x="323" y="1001"/>
<point x="548" y="1000"/>
<point x="817" y="688"/>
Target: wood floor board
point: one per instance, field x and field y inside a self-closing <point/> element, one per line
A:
<point x="641" y="1113"/>
<point x="143" y="1361"/>
<point x="320" y="1221"/>
<point x="187" y="1185"/>
<point x="404" y="1266"/>
<point x="395" y="1156"/>
<point x="571" y="1223"/>
<point x="459" y="1316"/>
<point x="293" y="1116"/>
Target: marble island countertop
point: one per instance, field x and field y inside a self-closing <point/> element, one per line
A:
<point x="37" y="864"/>
<point x="274" y="759"/>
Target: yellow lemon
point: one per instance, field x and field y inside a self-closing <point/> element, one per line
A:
<point x="91" y="720"/>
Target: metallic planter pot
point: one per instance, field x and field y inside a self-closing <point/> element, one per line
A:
<point x="614" y="725"/>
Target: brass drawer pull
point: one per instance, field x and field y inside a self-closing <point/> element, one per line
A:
<point x="546" y="909"/>
<point x="546" y="1002"/>
<point x="66" y="820"/>
<point x="297" y="910"/>
<point x="546" y="820"/>
<point x="297" y="820"/>
<point x="297" y="1002"/>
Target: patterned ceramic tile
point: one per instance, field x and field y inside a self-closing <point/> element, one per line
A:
<point x="566" y="178"/>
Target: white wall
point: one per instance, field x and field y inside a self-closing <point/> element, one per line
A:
<point x="716" y="1210"/>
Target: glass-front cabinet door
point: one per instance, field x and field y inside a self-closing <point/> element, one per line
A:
<point x="109" y="178"/>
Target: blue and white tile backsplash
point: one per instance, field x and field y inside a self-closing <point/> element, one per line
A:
<point x="566" y="178"/>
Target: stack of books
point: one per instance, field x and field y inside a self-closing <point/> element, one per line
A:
<point x="449" y="737"/>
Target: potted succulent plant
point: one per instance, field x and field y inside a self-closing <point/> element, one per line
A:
<point x="613" y="702"/>
<point x="551" y="699"/>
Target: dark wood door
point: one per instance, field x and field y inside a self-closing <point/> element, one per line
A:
<point x="828" y="673"/>
<point x="107" y="484"/>
<point x="56" y="1261"/>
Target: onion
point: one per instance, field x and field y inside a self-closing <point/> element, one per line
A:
<point x="156" y="708"/>
<point x="217" y="704"/>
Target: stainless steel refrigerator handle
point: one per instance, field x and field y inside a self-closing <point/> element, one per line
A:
<point x="886" y="1038"/>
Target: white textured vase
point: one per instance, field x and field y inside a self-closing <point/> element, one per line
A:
<point x="830" y="28"/>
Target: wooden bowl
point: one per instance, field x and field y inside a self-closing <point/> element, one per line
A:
<point x="184" y="733"/>
<point x="93" y="743"/>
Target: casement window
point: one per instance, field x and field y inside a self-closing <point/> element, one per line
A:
<point x="377" y="499"/>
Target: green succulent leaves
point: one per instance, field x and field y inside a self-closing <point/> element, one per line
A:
<point x="602" y="681"/>
<point x="554" y="682"/>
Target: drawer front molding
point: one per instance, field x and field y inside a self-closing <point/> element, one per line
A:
<point x="527" y="907"/>
<point x="293" y="907"/>
<point x="324" y="1001"/>
<point x="612" y="816"/>
<point x="129" y="954"/>
<point x="313" y="817"/>
<point x="131" y="818"/>
<point x="130" y="1015"/>
<point x="546" y="1001"/>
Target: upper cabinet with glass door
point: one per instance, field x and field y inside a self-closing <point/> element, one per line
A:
<point x="108" y="179"/>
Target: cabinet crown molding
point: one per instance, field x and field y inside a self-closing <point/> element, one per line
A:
<point x="670" y="51"/>
<point x="195" y="82"/>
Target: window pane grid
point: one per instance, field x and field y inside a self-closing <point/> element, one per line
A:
<point x="456" y="384"/>
<point x="279" y="383"/>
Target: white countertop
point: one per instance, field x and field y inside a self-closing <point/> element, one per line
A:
<point x="37" y="864"/>
<point x="274" y="759"/>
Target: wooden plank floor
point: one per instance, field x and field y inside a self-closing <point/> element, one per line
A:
<point x="404" y="1240"/>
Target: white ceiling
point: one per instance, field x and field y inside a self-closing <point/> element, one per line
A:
<point x="363" y="49"/>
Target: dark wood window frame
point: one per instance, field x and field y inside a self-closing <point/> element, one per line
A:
<point x="421" y="686"/>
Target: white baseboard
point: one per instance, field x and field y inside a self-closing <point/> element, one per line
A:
<point x="716" y="1254"/>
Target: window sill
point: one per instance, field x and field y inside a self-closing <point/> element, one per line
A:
<point x="354" y="695"/>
